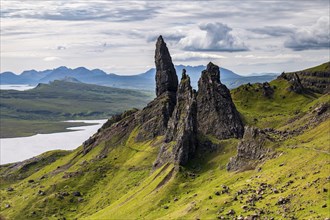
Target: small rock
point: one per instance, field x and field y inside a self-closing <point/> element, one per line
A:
<point x="217" y="193"/>
<point x="245" y="207"/>
<point x="41" y="193"/>
<point x="7" y="206"/>
<point x="240" y="217"/>
<point x="230" y="212"/>
<point x="165" y="207"/>
<point x="30" y="181"/>
<point x="76" y="193"/>
<point x="80" y="199"/>
<point x="282" y="200"/>
<point x="175" y="199"/>
<point x="281" y="165"/>
<point x="325" y="190"/>
<point x="10" y="189"/>
<point x="324" y="206"/>
<point x="33" y="212"/>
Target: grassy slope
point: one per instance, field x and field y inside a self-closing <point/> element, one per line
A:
<point x="122" y="185"/>
<point x="41" y="108"/>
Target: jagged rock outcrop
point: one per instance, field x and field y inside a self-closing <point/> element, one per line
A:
<point x="154" y="118"/>
<point x="250" y="150"/>
<point x="216" y="112"/>
<point x="294" y="80"/>
<point x="166" y="78"/>
<point x="181" y="136"/>
<point x="267" y="90"/>
<point x="177" y="112"/>
<point x="315" y="79"/>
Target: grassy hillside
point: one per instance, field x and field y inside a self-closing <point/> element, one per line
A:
<point x="292" y="184"/>
<point x="39" y="110"/>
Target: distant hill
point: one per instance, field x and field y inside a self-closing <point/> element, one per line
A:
<point x="143" y="81"/>
<point x="41" y="108"/>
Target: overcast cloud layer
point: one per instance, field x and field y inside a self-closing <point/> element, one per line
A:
<point x="119" y="36"/>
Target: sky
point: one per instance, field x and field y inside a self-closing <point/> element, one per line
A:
<point x="119" y="36"/>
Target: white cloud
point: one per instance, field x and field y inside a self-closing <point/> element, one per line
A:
<point x="49" y="59"/>
<point x="186" y="56"/>
<point x="213" y="37"/>
<point x="314" y="37"/>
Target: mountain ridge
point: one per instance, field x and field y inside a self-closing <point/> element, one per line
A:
<point x="139" y="81"/>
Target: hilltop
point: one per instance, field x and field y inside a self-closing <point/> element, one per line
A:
<point x="258" y="151"/>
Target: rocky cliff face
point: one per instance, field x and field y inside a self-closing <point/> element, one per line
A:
<point x="250" y="151"/>
<point x="178" y="113"/>
<point x="181" y="136"/>
<point x="315" y="79"/>
<point x="216" y="112"/>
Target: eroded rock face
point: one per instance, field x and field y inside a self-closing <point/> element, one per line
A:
<point x="166" y="78"/>
<point x="313" y="80"/>
<point x="250" y="150"/>
<point x="216" y="112"/>
<point x="181" y="136"/>
<point x="295" y="82"/>
<point x="154" y="118"/>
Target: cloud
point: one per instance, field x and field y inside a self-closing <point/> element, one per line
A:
<point x="189" y="56"/>
<point x="273" y="57"/>
<point x="168" y="36"/>
<point x="314" y="37"/>
<point x="79" y="11"/>
<point x="274" y="31"/>
<point x="213" y="37"/>
<point x="49" y="59"/>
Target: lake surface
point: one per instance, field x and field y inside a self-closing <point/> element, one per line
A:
<point x="22" y="148"/>
<point x="19" y="87"/>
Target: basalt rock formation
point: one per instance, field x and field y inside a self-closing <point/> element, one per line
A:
<point x="166" y="78"/>
<point x="178" y="113"/>
<point x="181" y="136"/>
<point x="216" y="112"/>
<point x="250" y="150"/>
<point x="155" y="116"/>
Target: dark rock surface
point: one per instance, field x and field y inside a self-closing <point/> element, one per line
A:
<point x="166" y="78"/>
<point x="250" y="150"/>
<point x="216" y="112"/>
<point x="181" y="136"/>
<point x="267" y="90"/>
<point x="154" y="118"/>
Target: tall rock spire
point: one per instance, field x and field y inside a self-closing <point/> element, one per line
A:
<point x="155" y="116"/>
<point x="216" y="114"/>
<point x="181" y="135"/>
<point x="166" y="78"/>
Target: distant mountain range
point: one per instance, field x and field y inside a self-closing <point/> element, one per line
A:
<point x="144" y="81"/>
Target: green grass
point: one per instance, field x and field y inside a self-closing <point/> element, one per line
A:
<point x="319" y="68"/>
